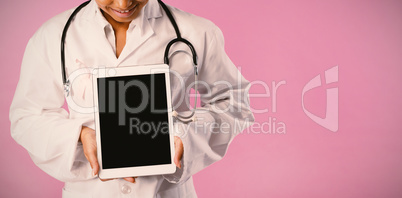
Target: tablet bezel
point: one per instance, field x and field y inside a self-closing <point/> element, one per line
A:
<point x="138" y="170"/>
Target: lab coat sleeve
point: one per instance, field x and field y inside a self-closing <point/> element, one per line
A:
<point x="225" y="111"/>
<point x="40" y="124"/>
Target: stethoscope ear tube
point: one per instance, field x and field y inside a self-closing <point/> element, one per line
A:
<point x="166" y="60"/>
<point x="190" y="117"/>
<point x="166" y="56"/>
<point x="66" y="82"/>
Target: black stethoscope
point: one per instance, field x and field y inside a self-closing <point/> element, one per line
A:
<point x="66" y="81"/>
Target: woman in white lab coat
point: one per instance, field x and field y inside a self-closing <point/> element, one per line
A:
<point x="116" y="33"/>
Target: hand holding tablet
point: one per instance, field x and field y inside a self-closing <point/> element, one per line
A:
<point x="133" y="121"/>
<point x="88" y="139"/>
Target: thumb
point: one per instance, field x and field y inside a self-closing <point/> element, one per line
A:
<point x="93" y="161"/>
<point x="88" y="139"/>
<point x="178" y="151"/>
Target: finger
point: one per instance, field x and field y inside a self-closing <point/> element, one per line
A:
<point x="88" y="139"/>
<point x="93" y="161"/>
<point x="127" y="179"/>
<point x="105" y="179"/>
<point x="130" y="179"/>
<point x="178" y="151"/>
<point x="95" y="166"/>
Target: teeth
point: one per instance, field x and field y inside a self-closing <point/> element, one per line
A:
<point x="125" y="11"/>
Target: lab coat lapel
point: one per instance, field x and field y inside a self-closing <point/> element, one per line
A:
<point x="96" y="35"/>
<point x="101" y="44"/>
<point x="138" y="35"/>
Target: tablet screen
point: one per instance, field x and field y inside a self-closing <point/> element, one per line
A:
<point x="133" y="117"/>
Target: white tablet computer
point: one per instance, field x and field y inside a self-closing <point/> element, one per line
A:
<point x="133" y="119"/>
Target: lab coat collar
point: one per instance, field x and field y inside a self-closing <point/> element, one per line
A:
<point x="153" y="10"/>
<point x="141" y="33"/>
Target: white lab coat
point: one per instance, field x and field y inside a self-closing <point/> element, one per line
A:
<point x="50" y="134"/>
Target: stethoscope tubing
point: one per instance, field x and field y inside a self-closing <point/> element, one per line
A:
<point x="179" y="38"/>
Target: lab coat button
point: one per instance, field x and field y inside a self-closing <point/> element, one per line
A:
<point x="125" y="189"/>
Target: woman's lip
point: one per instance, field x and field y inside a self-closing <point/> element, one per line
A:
<point x="124" y="13"/>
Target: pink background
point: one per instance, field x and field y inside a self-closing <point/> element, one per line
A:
<point x="293" y="41"/>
